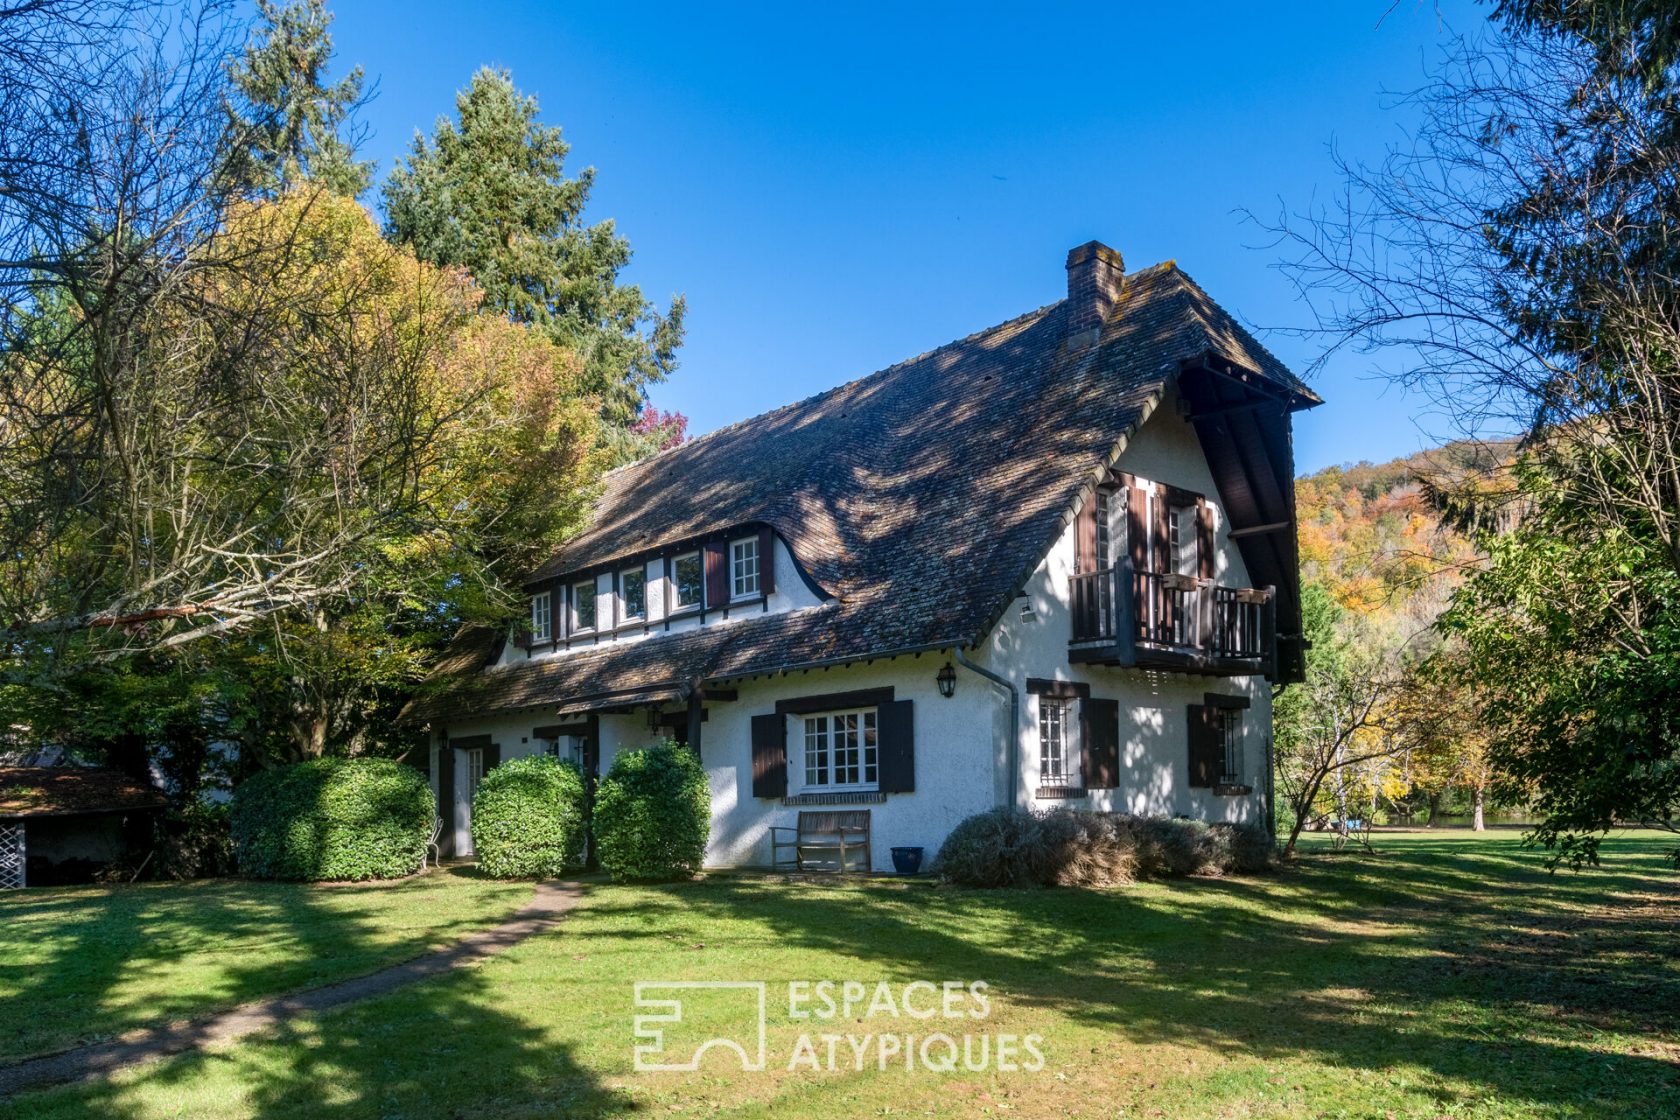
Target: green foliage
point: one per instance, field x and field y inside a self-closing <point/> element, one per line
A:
<point x="194" y="842"/>
<point x="1573" y="633"/>
<point x="653" y="814"/>
<point x="1065" y="848"/>
<point x="527" y="818"/>
<point x="290" y="128"/>
<point x="489" y="192"/>
<point x="333" y="819"/>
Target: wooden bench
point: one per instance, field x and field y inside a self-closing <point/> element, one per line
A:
<point x="829" y="840"/>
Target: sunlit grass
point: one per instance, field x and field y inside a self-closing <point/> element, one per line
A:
<point x="1448" y="976"/>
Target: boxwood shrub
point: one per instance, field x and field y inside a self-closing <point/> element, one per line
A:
<point x="527" y="818"/>
<point x="653" y="814"/>
<point x="1014" y="848"/>
<point x="333" y="819"/>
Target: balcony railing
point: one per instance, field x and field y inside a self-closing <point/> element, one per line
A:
<point x="1168" y="620"/>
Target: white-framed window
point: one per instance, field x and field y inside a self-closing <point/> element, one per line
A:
<point x="1182" y="539"/>
<point x="632" y="594"/>
<point x="1231" y="744"/>
<point x="475" y="773"/>
<point x="583" y="605"/>
<point x="743" y="568"/>
<point x="540" y="631"/>
<point x="566" y="748"/>
<point x="1057" y="753"/>
<point x="841" y="750"/>
<point x="688" y="581"/>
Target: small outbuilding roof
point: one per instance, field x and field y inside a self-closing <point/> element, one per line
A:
<point x="64" y="791"/>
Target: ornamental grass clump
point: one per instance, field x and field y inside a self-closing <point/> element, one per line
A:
<point x="653" y="814"/>
<point x="333" y="819"/>
<point x="528" y="818"/>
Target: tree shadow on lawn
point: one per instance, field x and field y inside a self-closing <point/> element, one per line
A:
<point x="1479" y="967"/>
<point x="438" y="1049"/>
<point x="90" y="972"/>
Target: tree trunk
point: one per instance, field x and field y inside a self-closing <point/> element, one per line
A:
<point x="1480" y="797"/>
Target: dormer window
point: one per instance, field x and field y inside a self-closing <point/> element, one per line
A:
<point x="688" y="581"/>
<point x="583" y="605"/>
<point x="540" y="616"/>
<point x="632" y="594"/>
<point x="743" y="568"/>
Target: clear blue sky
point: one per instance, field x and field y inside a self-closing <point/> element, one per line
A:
<point x="835" y="190"/>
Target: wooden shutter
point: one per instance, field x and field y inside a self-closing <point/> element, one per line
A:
<point x="769" y="756"/>
<point x="1204" y="538"/>
<point x="1206" y="754"/>
<point x="492" y="757"/>
<point x="446" y="798"/>
<point x="1099" y="731"/>
<point x="522" y="633"/>
<point x="715" y="556"/>
<point x="1160" y="536"/>
<point x="1085" y="536"/>
<point x="1137" y="529"/>
<point x="895" y="738"/>
<point x="766" y="561"/>
<point x="556" y="613"/>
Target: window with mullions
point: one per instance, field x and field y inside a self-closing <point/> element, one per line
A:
<point x="842" y="751"/>
<point x="583" y="605"/>
<point x="1231" y="743"/>
<point x="743" y="568"/>
<point x="540" y="618"/>
<point x="1054" y="762"/>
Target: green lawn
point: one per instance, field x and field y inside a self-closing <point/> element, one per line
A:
<point x="79" y="964"/>
<point x="1449" y="976"/>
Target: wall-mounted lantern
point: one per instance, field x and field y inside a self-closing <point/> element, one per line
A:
<point x="947" y="680"/>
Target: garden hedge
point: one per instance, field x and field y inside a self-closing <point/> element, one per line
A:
<point x="333" y="819"/>
<point x="653" y="814"/>
<point x="527" y="818"/>
<point x="1014" y="848"/>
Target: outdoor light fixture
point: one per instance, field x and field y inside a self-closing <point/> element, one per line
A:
<point x="947" y="680"/>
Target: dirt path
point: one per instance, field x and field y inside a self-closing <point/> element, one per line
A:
<point x="549" y="904"/>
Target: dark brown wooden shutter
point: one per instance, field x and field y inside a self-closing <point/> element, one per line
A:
<point x="1099" y="728"/>
<point x="1159" y="534"/>
<point x="769" y="756"/>
<point x="1085" y="536"/>
<point x="1206" y="755"/>
<point x="1204" y="538"/>
<point x="492" y="757"/>
<point x="556" y="613"/>
<point x="522" y="636"/>
<point x="446" y="798"/>
<point x="1137" y="529"/>
<point x="895" y="730"/>
<point x="767" y="561"/>
<point x="716" y="560"/>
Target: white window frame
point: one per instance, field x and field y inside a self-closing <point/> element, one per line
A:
<point x="576" y="620"/>
<point x="475" y="772"/>
<point x="1183" y="532"/>
<point x="816" y="731"/>
<point x="624" y="600"/>
<point x="1058" y="744"/>
<point x="541" y="617"/>
<point x="745" y="585"/>
<point x="678" y="603"/>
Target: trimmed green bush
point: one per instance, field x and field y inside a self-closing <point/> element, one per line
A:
<point x="1066" y="848"/>
<point x="333" y="819"/>
<point x="527" y="818"/>
<point x="653" y="814"/>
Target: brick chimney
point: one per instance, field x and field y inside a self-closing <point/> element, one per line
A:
<point x="1095" y="276"/>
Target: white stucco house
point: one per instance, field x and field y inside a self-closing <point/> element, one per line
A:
<point x="1052" y="563"/>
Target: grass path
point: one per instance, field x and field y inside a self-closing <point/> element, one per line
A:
<point x="1449" y="976"/>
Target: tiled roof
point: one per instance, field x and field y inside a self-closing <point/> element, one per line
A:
<point x="46" y="791"/>
<point x="919" y="497"/>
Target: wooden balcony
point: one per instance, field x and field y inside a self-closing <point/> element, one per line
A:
<point x="1155" y="620"/>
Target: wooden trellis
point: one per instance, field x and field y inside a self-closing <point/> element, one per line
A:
<point x="12" y="856"/>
